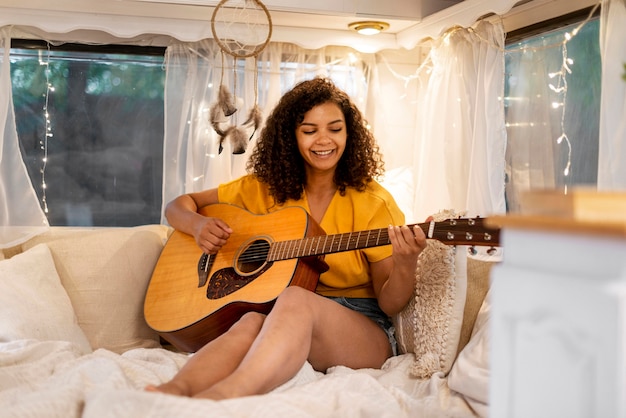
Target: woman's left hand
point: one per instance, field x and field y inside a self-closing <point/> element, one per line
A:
<point x="407" y="244"/>
<point x="394" y="277"/>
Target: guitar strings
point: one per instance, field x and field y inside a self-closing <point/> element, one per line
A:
<point x="294" y="248"/>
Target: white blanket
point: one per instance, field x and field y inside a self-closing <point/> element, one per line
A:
<point x="51" y="379"/>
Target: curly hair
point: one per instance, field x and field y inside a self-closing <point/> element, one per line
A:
<point x="276" y="160"/>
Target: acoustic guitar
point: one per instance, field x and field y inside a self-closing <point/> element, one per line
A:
<point x="194" y="297"/>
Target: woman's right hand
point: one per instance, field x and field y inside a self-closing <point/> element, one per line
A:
<point x="182" y="213"/>
<point x="211" y="234"/>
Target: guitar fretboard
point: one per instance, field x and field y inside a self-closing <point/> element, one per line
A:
<point x="326" y="244"/>
<point x="464" y="231"/>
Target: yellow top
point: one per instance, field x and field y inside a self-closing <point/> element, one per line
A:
<point x="373" y="208"/>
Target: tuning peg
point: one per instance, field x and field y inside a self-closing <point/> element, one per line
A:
<point x="472" y="250"/>
<point x="492" y="250"/>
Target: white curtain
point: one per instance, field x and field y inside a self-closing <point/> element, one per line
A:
<point x="460" y="134"/>
<point x="21" y="216"/>
<point x="612" y="151"/>
<point x="194" y="73"/>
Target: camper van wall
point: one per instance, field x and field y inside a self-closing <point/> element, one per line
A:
<point x="155" y="22"/>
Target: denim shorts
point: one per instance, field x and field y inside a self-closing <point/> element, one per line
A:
<point x="369" y="307"/>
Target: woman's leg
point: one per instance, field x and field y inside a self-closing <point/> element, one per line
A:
<point x="216" y="360"/>
<point x="303" y="325"/>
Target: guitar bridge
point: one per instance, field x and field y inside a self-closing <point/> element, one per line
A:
<point x="204" y="266"/>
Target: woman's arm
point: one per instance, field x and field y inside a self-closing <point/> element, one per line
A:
<point x="394" y="277"/>
<point x="182" y="214"/>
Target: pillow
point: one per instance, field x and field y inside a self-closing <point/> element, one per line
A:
<point x="33" y="303"/>
<point x="106" y="273"/>
<point x="430" y="325"/>
<point x="469" y="375"/>
<point x="478" y="281"/>
<point x="10" y="251"/>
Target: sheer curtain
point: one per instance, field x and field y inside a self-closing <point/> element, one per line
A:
<point x="612" y="152"/>
<point x="460" y="134"/>
<point x="21" y="216"/>
<point x="192" y="161"/>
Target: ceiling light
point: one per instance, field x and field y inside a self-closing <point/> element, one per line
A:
<point x="369" y="27"/>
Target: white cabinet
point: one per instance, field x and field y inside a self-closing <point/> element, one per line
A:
<point x="559" y="319"/>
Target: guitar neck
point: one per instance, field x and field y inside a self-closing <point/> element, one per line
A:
<point x="451" y="232"/>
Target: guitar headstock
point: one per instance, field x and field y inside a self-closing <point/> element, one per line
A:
<point x="463" y="231"/>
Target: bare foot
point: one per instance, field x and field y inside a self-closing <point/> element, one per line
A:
<point x="215" y="395"/>
<point x="229" y="388"/>
<point x="171" y="388"/>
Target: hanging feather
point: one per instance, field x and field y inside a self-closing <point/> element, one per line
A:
<point x="255" y="118"/>
<point x="216" y="117"/>
<point x="238" y="140"/>
<point x="226" y="101"/>
<point x="238" y="136"/>
<point x="223" y="138"/>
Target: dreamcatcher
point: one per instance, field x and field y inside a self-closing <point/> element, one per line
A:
<point x="242" y="29"/>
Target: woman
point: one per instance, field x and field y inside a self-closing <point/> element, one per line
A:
<point x="314" y="152"/>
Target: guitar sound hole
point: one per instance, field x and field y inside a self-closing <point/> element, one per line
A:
<point x="253" y="257"/>
<point x="251" y="263"/>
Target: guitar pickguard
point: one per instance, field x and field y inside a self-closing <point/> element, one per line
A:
<point x="226" y="281"/>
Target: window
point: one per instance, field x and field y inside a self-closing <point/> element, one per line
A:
<point x="90" y="126"/>
<point x="90" y="123"/>
<point x="552" y="101"/>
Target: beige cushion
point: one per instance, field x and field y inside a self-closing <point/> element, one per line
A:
<point x="430" y="325"/>
<point x="106" y="273"/>
<point x="33" y="303"/>
<point x="478" y="282"/>
<point x="10" y="252"/>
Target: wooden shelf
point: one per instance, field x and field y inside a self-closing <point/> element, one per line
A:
<point x="584" y="211"/>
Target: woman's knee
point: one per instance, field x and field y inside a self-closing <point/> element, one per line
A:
<point x="296" y="295"/>
<point x="249" y="324"/>
<point x="296" y="301"/>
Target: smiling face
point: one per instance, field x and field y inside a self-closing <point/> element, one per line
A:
<point x="322" y="138"/>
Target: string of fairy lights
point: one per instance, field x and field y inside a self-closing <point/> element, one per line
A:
<point x="558" y="84"/>
<point x="43" y="143"/>
<point x="560" y="88"/>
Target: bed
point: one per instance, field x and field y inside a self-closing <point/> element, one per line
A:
<point x="74" y="342"/>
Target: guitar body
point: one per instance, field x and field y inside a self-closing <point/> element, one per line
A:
<point x="189" y="310"/>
